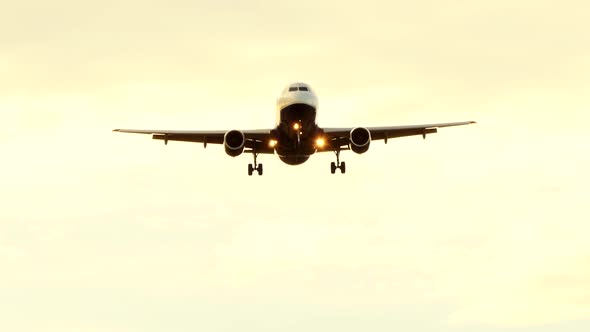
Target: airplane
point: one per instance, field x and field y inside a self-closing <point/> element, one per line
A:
<point x="296" y="136"/>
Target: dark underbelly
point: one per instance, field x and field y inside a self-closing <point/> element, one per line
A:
<point x="294" y="148"/>
<point x="294" y="159"/>
<point x="302" y="113"/>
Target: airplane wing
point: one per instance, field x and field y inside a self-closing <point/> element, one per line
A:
<point x="339" y="137"/>
<point x="255" y="139"/>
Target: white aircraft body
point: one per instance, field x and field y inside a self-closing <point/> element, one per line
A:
<point x="296" y="136"/>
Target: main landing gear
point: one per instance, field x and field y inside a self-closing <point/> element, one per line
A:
<point x="256" y="167"/>
<point x="338" y="164"/>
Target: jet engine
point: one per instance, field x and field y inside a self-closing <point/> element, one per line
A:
<point x="233" y="142"/>
<point x="360" y="139"/>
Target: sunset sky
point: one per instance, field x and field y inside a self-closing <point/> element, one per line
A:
<point x="481" y="228"/>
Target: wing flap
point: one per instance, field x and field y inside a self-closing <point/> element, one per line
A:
<point x="384" y="135"/>
<point x="338" y="137"/>
<point x="198" y="136"/>
<point x="213" y="139"/>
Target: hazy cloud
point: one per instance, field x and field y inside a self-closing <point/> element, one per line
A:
<point x="480" y="227"/>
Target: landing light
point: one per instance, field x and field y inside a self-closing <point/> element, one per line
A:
<point x="296" y="126"/>
<point x="272" y="143"/>
<point x="320" y="142"/>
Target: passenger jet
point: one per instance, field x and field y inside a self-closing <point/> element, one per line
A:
<point x="296" y="136"/>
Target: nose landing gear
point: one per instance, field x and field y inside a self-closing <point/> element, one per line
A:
<point x="338" y="164"/>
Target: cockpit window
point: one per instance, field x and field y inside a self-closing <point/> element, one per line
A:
<point x="293" y="88"/>
<point x="303" y="88"/>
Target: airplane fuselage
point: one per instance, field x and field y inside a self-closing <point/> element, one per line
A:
<point x="296" y="129"/>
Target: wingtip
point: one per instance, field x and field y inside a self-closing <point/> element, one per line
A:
<point x="116" y="129"/>
<point x="472" y="122"/>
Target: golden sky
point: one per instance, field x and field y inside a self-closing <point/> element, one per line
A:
<point x="478" y="228"/>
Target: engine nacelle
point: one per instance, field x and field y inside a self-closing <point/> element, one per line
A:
<point x="360" y="139"/>
<point x="234" y="141"/>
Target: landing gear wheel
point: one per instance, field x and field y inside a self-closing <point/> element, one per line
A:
<point x="256" y="167"/>
<point x="338" y="165"/>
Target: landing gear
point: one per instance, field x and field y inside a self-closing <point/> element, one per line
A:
<point x="256" y="167"/>
<point x="335" y="165"/>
